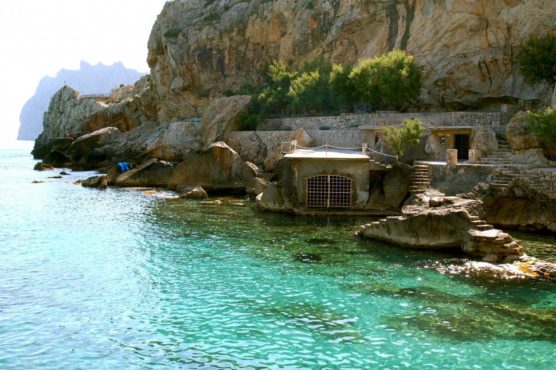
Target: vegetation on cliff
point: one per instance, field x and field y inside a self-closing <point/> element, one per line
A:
<point x="543" y="124"/>
<point x="537" y="59"/>
<point x="389" y="81"/>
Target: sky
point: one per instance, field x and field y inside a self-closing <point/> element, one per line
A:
<point x="40" y="37"/>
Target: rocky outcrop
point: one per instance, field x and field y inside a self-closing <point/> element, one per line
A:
<point x="198" y="49"/>
<point x="220" y="118"/>
<point x="88" y="79"/>
<point x="71" y="115"/>
<point x="66" y="117"/>
<point x="218" y="168"/>
<point x="441" y="222"/>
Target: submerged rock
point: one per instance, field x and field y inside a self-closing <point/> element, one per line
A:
<point x="192" y="192"/>
<point x="308" y="257"/>
<point x="96" y="182"/>
<point x="41" y="166"/>
<point x="524" y="268"/>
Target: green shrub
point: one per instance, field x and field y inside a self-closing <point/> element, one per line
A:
<point x="400" y="138"/>
<point x="341" y="86"/>
<point x="537" y="59"/>
<point x="388" y="81"/>
<point x="543" y="124"/>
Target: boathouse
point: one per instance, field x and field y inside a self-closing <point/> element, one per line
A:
<point x="330" y="178"/>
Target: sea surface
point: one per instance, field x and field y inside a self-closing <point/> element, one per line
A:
<point x="122" y="279"/>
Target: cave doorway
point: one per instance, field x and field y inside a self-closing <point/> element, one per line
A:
<point x="461" y="143"/>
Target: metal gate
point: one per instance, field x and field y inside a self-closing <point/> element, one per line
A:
<point x="328" y="191"/>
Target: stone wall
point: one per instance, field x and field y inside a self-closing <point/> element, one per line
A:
<point x="255" y="146"/>
<point x="453" y="180"/>
<point x="353" y="121"/>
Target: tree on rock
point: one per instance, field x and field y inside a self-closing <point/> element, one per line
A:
<point x="400" y="138"/>
<point x="388" y="81"/>
<point x="537" y="61"/>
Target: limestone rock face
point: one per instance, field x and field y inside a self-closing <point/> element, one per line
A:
<point x="199" y="49"/>
<point x="220" y="118"/>
<point x="217" y="168"/>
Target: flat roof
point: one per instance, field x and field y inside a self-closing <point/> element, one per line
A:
<point x="327" y="153"/>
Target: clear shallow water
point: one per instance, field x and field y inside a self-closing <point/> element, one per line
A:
<point x="115" y="279"/>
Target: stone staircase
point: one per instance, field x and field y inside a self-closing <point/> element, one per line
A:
<point x="501" y="156"/>
<point x="503" y="177"/>
<point x="420" y="179"/>
<point x="479" y="224"/>
<point x="535" y="181"/>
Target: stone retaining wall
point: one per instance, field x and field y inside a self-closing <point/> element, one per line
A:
<point x="255" y="146"/>
<point x="353" y="121"/>
<point x="453" y="180"/>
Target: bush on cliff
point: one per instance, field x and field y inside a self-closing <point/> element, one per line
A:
<point x="388" y="81"/>
<point x="341" y="87"/>
<point x="543" y="124"/>
<point x="400" y="138"/>
<point x="537" y="59"/>
<point x="537" y="62"/>
<point x="310" y="90"/>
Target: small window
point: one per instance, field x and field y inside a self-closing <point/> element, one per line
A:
<point x="328" y="191"/>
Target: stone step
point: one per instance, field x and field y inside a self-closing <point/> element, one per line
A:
<point x="484" y="227"/>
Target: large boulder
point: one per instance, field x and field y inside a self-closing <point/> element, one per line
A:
<point x="220" y="118"/>
<point x="96" y="182"/>
<point x="519" y="134"/>
<point x="153" y="173"/>
<point x="85" y="144"/>
<point x="165" y="141"/>
<point x="275" y="198"/>
<point x="218" y="167"/>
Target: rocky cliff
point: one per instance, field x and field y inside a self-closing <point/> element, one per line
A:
<point x="70" y="114"/>
<point x="88" y="79"/>
<point x="466" y="48"/>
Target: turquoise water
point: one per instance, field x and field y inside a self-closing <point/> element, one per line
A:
<point x="93" y="279"/>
